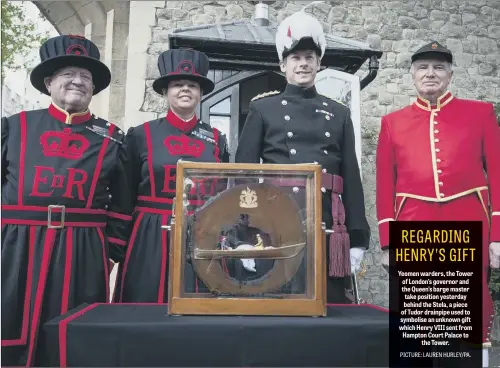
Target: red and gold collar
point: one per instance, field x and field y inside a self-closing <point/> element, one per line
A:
<point x="181" y="124"/>
<point x="441" y="102"/>
<point x="64" y="117"/>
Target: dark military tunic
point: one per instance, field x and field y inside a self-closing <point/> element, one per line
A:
<point x="153" y="150"/>
<point x="60" y="221"/>
<point x="302" y="126"/>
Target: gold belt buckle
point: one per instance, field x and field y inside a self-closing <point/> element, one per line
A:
<point x="49" y="216"/>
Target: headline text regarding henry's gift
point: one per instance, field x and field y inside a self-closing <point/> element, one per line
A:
<point x="435" y="292"/>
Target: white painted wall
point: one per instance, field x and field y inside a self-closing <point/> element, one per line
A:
<point x="17" y="92"/>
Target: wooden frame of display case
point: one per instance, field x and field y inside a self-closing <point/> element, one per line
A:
<point x="178" y="304"/>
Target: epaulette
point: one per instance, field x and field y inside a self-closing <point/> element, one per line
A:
<point x="334" y="99"/>
<point x="265" y="94"/>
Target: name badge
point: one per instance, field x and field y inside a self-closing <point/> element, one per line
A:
<point x="206" y="133"/>
<point x="103" y="132"/>
<point x="198" y="134"/>
<point x="325" y="112"/>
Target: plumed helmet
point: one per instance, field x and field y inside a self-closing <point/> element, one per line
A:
<point x="300" y="31"/>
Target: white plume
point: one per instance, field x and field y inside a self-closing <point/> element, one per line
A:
<point x="297" y="26"/>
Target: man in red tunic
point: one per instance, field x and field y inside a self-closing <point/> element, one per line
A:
<point x="62" y="216"/>
<point x="431" y="163"/>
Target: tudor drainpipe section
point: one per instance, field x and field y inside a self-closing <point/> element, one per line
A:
<point x="261" y="14"/>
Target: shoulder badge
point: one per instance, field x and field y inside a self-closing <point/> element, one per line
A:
<point x="265" y="94"/>
<point x="103" y="131"/>
<point x="333" y="99"/>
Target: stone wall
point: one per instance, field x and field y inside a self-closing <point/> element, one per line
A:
<point x="13" y="103"/>
<point x="470" y="28"/>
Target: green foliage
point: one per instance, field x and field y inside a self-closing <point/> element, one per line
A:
<point x="19" y="37"/>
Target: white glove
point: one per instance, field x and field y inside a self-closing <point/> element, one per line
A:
<point x="495" y="254"/>
<point x="248" y="264"/>
<point x="356" y="258"/>
<point x="485" y="357"/>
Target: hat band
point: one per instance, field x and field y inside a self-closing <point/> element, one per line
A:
<point x="304" y="43"/>
<point x="184" y="73"/>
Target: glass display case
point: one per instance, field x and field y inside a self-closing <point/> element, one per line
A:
<point x="247" y="239"/>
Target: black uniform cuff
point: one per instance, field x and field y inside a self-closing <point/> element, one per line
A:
<point x="359" y="239"/>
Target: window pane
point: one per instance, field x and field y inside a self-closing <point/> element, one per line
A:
<point x="222" y="107"/>
<point x="221" y="123"/>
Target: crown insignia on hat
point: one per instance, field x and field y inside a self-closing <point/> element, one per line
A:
<point x="434" y="45"/>
<point x="64" y="144"/>
<point x="77" y="50"/>
<point x="184" y="145"/>
<point x="186" y="66"/>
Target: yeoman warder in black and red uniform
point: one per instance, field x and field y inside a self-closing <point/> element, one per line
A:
<point x="61" y="219"/>
<point x="153" y="150"/>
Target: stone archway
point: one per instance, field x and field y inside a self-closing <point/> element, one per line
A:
<point x="106" y="24"/>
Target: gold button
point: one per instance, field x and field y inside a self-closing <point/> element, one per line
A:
<point x="440" y="183"/>
<point x="327" y="117"/>
<point x="287" y="117"/>
<point x="436" y="131"/>
<point x="435" y="123"/>
<point x="436" y="140"/>
<point x="439" y="171"/>
<point x="323" y="189"/>
<point x="284" y="102"/>
<point x="438" y="160"/>
<point x="437" y="150"/>
<point x="441" y="195"/>
<point x="323" y="171"/>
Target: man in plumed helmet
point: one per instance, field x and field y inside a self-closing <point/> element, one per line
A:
<point x="439" y="160"/>
<point x="153" y="149"/>
<point x="301" y="126"/>
<point x="61" y="220"/>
